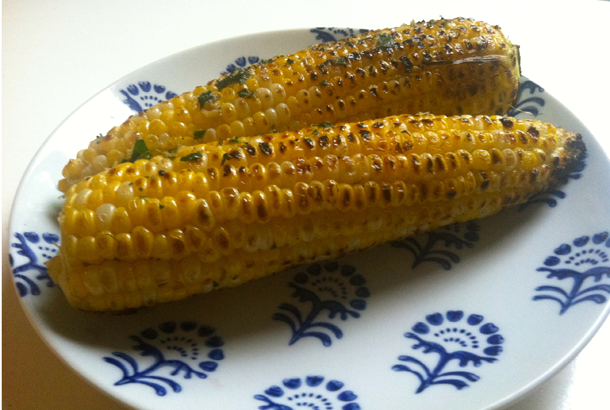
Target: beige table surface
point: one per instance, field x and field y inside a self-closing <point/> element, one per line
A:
<point x="57" y="54"/>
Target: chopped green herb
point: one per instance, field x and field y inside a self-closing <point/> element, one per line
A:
<point x="206" y="97"/>
<point x="385" y="41"/>
<point x="215" y="284"/>
<point x="335" y="61"/>
<point x="235" y="140"/>
<point x="350" y="43"/>
<point x="225" y="157"/>
<point x="192" y="157"/>
<point x="324" y="124"/>
<point x="98" y="136"/>
<point x="315" y="132"/>
<point x="131" y="183"/>
<point x="245" y="93"/>
<point x="339" y="60"/>
<point x="161" y="206"/>
<point x="290" y="61"/>
<point x="324" y="83"/>
<point x="140" y="189"/>
<point x="140" y="151"/>
<point x="145" y="197"/>
<point x="199" y="134"/>
<point x="266" y="61"/>
<point x="173" y="150"/>
<point x="239" y="75"/>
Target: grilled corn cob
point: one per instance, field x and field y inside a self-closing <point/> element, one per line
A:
<point x="224" y="213"/>
<point x="449" y="67"/>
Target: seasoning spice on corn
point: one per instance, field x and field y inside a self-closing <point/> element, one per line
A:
<point x="223" y="213"/>
<point x="451" y="67"/>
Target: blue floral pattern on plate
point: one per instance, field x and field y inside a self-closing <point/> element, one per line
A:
<point x="425" y="248"/>
<point x="27" y="275"/>
<point x="241" y="62"/>
<point x="176" y="346"/>
<point x="323" y="34"/>
<point x="310" y="392"/>
<point x="585" y="261"/>
<point x="326" y="34"/>
<point x="329" y="287"/>
<point x="144" y="95"/>
<point x="454" y="337"/>
<point x="531" y="103"/>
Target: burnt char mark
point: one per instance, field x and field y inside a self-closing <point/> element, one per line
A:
<point x="534" y="175"/>
<point x="486" y="181"/>
<point x="576" y="146"/>
<point x="533" y="133"/>
<point x="250" y="150"/>
<point x="506" y="122"/>
<point x="386" y="192"/>
<point x="265" y="148"/>
<point x="576" y="152"/>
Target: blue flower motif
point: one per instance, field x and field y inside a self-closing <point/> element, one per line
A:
<point x="528" y="104"/>
<point x="29" y="245"/>
<point x="241" y="62"/>
<point x="182" y="347"/>
<point x="311" y="392"/>
<point x="326" y="34"/>
<point x="147" y="94"/>
<point x="455" y="337"/>
<point x="425" y="247"/>
<point x="330" y="287"/>
<point x="582" y="262"/>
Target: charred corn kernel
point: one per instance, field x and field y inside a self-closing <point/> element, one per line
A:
<point x="447" y="67"/>
<point x="272" y="201"/>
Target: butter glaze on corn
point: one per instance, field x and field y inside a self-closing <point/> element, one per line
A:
<point x="220" y="214"/>
<point x="449" y="67"/>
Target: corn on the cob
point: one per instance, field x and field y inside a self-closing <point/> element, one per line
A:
<point x="450" y="67"/>
<point x="220" y="214"/>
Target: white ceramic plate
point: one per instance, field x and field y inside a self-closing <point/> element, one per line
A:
<point x="469" y="317"/>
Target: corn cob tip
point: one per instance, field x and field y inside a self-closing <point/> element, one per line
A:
<point x="576" y="146"/>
